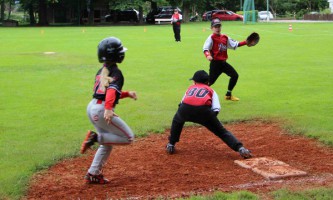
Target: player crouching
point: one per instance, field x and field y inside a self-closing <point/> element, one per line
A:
<point x="201" y="105"/>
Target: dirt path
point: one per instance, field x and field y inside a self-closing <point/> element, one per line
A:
<point x="202" y="164"/>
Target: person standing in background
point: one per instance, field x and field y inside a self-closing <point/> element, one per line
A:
<point x="176" y="20"/>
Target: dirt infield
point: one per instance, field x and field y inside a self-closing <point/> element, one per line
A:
<point x="202" y="164"/>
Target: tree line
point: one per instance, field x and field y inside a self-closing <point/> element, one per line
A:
<point x="38" y="9"/>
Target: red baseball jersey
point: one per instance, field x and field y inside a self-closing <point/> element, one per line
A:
<point x="200" y="95"/>
<point x="217" y="45"/>
<point x="176" y="18"/>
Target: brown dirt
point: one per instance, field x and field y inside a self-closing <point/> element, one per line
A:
<point x="202" y="165"/>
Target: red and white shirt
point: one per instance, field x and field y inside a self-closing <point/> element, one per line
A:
<point x="176" y="18"/>
<point x="201" y="94"/>
<point x="217" y="46"/>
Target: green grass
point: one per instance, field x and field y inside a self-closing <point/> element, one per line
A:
<point x="287" y="77"/>
<point x="318" y="194"/>
<point x="241" y="195"/>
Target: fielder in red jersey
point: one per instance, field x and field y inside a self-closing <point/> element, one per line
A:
<point x="176" y="20"/>
<point x="201" y="105"/>
<point x="215" y="49"/>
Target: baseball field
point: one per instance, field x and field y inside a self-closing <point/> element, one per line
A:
<point x="285" y="86"/>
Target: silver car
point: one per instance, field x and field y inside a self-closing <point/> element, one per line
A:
<point x="262" y="15"/>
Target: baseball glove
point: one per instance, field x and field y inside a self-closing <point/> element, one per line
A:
<point x="252" y="39"/>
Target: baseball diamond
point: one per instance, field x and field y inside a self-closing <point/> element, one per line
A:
<point x="204" y="164"/>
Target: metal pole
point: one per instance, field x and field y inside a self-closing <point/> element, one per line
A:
<point x="241" y="5"/>
<point x="267" y="10"/>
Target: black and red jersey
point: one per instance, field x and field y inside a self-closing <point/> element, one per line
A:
<point x="117" y="83"/>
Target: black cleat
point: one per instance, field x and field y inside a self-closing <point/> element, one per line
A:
<point x="170" y="148"/>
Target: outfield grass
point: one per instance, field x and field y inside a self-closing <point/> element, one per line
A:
<point x="287" y="77"/>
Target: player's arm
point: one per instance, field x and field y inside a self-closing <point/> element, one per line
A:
<point x="242" y="43"/>
<point x="110" y="98"/>
<point x="216" y="106"/>
<point x="233" y="44"/>
<point x="180" y="18"/>
<point x="172" y="19"/>
<point x="207" y="47"/>
<point x="131" y="94"/>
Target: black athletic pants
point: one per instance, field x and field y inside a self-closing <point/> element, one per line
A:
<point x="205" y="116"/>
<point x="176" y="31"/>
<point x="217" y="67"/>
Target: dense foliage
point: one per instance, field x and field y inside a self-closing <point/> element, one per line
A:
<point x="37" y="9"/>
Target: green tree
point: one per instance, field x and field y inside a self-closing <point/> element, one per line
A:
<point x="5" y="4"/>
<point x="30" y="6"/>
<point x="2" y="10"/>
<point x="42" y="13"/>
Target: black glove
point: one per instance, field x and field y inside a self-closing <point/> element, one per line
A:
<point x="252" y="39"/>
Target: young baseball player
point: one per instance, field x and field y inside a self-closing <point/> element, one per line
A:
<point x="176" y="20"/>
<point x="111" y="129"/>
<point x="201" y="105"/>
<point x="215" y="49"/>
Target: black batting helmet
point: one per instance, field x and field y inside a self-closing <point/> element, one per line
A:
<point x="110" y="49"/>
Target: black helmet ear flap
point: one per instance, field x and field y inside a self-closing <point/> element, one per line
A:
<point x="121" y="57"/>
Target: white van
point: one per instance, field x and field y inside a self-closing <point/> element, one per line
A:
<point x="262" y="15"/>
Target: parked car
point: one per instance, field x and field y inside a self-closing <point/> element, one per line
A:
<point x="130" y="15"/>
<point x="166" y="13"/>
<point x="150" y="19"/>
<point x="207" y="16"/>
<point x="227" y="15"/>
<point x="262" y="15"/>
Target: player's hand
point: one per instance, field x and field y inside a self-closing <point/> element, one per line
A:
<point x="108" y="114"/>
<point x="209" y="58"/>
<point x="132" y="94"/>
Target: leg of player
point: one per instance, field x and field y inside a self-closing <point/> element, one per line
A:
<point x="215" y="70"/>
<point x="175" y="132"/>
<point x="94" y="174"/>
<point x="232" y="73"/>
<point x="116" y="133"/>
<point x="215" y="126"/>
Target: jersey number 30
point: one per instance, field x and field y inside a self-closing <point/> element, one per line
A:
<point x="199" y="93"/>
